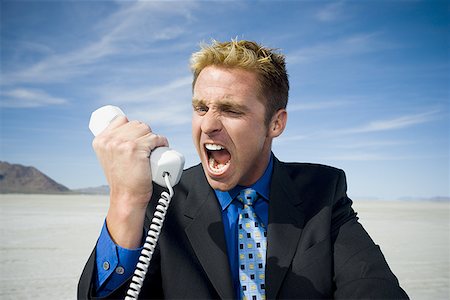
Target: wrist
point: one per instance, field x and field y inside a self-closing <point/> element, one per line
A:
<point x="125" y="224"/>
<point x="129" y="200"/>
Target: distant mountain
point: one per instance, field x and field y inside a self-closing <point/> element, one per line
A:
<point x="434" y="199"/>
<point x="15" y="178"/>
<point x="99" y="190"/>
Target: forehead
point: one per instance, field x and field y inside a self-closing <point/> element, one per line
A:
<point x="231" y="84"/>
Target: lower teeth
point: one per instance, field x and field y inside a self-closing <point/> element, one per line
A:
<point x="216" y="166"/>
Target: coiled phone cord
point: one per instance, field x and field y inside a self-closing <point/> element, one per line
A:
<point x="150" y="242"/>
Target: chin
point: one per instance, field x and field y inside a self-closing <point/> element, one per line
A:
<point x="221" y="185"/>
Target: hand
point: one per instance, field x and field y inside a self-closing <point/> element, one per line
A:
<point x="123" y="150"/>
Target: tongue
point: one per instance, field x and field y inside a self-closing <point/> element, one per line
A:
<point x="221" y="156"/>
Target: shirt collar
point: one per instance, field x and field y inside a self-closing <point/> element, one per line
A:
<point x="261" y="186"/>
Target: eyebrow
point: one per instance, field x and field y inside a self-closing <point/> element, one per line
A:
<point x="197" y="102"/>
<point x="222" y="105"/>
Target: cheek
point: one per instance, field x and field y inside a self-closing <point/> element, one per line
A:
<point x="195" y="124"/>
<point x="195" y="132"/>
<point x="253" y="143"/>
<point x="247" y="140"/>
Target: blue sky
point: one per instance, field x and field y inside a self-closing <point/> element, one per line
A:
<point x="369" y="82"/>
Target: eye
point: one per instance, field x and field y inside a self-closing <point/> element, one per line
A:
<point x="233" y="112"/>
<point x="200" y="109"/>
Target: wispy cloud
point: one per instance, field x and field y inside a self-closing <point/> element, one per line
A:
<point x="141" y="94"/>
<point x="58" y="67"/>
<point x="173" y="114"/>
<point x="28" y="98"/>
<point x="361" y="157"/>
<point x="331" y="12"/>
<point x="146" y="21"/>
<point x="358" y="156"/>
<point x="342" y="47"/>
<point x="316" y="105"/>
<point x="394" y="123"/>
<point x="165" y="104"/>
<point x="372" y="144"/>
<point x="355" y="142"/>
<point x="290" y="138"/>
<point x="131" y="30"/>
<point x="33" y="47"/>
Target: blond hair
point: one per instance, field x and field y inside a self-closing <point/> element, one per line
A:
<point x="265" y="62"/>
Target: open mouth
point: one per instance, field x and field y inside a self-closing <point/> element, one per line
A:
<point x="218" y="158"/>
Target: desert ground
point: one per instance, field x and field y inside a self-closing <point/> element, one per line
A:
<point x="46" y="239"/>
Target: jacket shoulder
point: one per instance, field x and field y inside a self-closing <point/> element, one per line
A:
<point x="194" y="170"/>
<point x="315" y="184"/>
<point x="192" y="175"/>
<point x="314" y="171"/>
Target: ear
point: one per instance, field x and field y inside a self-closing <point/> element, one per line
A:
<point x="278" y="123"/>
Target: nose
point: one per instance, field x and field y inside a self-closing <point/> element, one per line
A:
<point x="211" y="123"/>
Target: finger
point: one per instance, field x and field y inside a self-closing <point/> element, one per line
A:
<point x="132" y="130"/>
<point x="160" y="141"/>
<point x="116" y="122"/>
<point x="151" y="141"/>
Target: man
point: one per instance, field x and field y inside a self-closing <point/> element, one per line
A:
<point x="242" y="224"/>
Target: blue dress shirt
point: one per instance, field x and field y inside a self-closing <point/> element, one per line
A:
<point x="116" y="264"/>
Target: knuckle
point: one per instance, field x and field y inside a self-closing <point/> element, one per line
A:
<point x="144" y="127"/>
<point x="121" y="119"/>
<point x="141" y="126"/>
<point x="127" y="146"/>
<point x="113" y="144"/>
<point x="134" y="122"/>
<point x="159" y="140"/>
<point x="98" y="142"/>
<point x="95" y="143"/>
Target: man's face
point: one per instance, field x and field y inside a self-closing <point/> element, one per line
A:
<point x="228" y="127"/>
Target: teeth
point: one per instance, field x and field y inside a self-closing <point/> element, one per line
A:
<point x="216" y="167"/>
<point x="213" y="147"/>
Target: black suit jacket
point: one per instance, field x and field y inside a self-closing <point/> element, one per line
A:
<point x="316" y="249"/>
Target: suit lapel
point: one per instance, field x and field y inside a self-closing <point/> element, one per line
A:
<point x="285" y="226"/>
<point x="205" y="233"/>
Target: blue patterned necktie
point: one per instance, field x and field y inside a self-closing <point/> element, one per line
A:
<point x="252" y="249"/>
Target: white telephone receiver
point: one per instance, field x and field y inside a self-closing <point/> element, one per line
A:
<point x="166" y="165"/>
<point x="163" y="159"/>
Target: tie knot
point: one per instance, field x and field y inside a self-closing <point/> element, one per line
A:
<point x="247" y="196"/>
